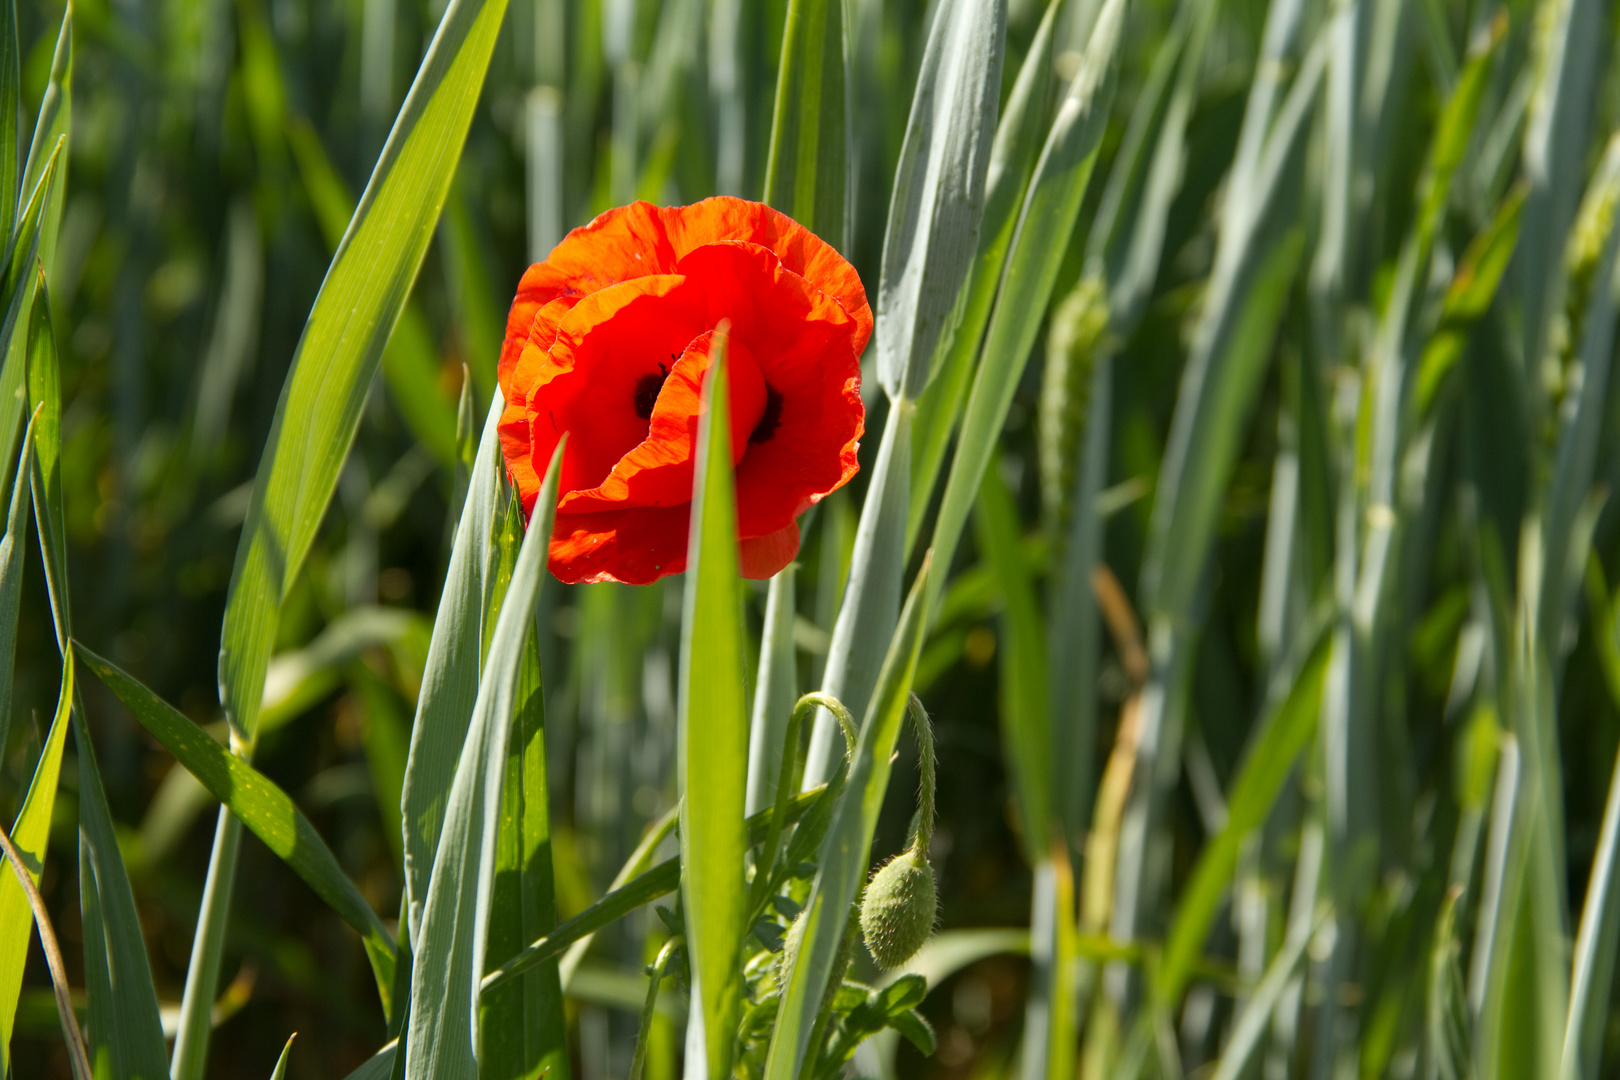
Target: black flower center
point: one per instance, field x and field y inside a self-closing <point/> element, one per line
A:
<point x="770" y="419"/>
<point x="647" y="388"/>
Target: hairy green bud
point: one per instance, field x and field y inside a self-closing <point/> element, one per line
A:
<point x="897" y="915"/>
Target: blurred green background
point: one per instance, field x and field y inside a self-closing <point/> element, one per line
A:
<point x="216" y="149"/>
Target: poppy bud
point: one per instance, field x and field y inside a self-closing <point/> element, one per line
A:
<point x="897" y="915"/>
<point x="794" y="939"/>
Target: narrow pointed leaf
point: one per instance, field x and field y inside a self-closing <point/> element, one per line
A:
<point x="933" y="230"/>
<point x="713" y="741"/>
<point x="365" y="289"/>
<point x="451" y="675"/>
<point x="808" y="172"/>
<point x="30" y="833"/>
<point x="260" y="805"/>
<point x="441" y="1037"/>
<point x="1051" y="208"/>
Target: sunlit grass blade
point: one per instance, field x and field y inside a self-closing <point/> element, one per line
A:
<point x="522" y="1030"/>
<point x="933" y="229"/>
<point x="847" y="848"/>
<point x="776" y="688"/>
<point x="1050" y="209"/>
<point x="260" y="804"/>
<point x="280" y="1072"/>
<point x="29" y="833"/>
<point x="808" y="171"/>
<point x="365" y="289"/>
<point x="441" y="1037"/>
<point x="713" y="740"/>
<point x="1012" y="158"/>
<point x="450" y="679"/>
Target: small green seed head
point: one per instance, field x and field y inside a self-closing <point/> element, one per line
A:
<point x="897" y="915"/>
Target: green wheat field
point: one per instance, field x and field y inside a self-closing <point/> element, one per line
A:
<point x="1224" y="621"/>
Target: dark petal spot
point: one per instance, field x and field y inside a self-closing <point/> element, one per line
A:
<point x="646" y="392"/>
<point x="770" y="419"/>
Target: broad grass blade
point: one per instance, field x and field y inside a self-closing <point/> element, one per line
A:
<point x="1012" y="159"/>
<point x="342" y="343"/>
<point x="933" y="229"/>
<point x="522" y="1030"/>
<point x="847" y="847"/>
<point x="30" y="833"/>
<point x="808" y="173"/>
<point x="1026" y="713"/>
<point x="776" y="688"/>
<point x="441" y="1037"/>
<point x="260" y="804"/>
<point x="410" y="361"/>
<point x="871" y="602"/>
<point x="450" y="678"/>
<point x="713" y="743"/>
<point x="1050" y="209"/>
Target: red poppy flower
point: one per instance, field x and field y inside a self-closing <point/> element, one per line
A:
<point x="608" y="340"/>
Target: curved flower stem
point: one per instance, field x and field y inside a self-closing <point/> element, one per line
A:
<point x="659" y="969"/>
<point x="922" y="828"/>
<point x="77" y="1054"/>
<point x="788" y="780"/>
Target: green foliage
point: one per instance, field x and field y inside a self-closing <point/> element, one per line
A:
<point x="1275" y="681"/>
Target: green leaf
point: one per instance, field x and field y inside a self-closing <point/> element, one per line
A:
<point x="281" y="1062"/>
<point x="125" y="1029"/>
<point x="808" y="174"/>
<point x="712" y="721"/>
<point x="1248" y="1034"/>
<point x="31" y="833"/>
<point x="625" y="897"/>
<point x="871" y="601"/>
<point x="1051" y="207"/>
<point x="442" y="1039"/>
<point x="258" y="803"/>
<point x="50" y="132"/>
<point x="1012" y="159"/>
<point x="13" y="550"/>
<point x="1026" y="712"/>
<point x="847" y="848"/>
<point x="522" y="1029"/>
<point x="354" y="314"/>
<point x="1282" y="733"/>
<point x="10" y="108"/>
<point x="776" y="688"/>
<point x="450" y="679"/>
<point x="933" y="228"/>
